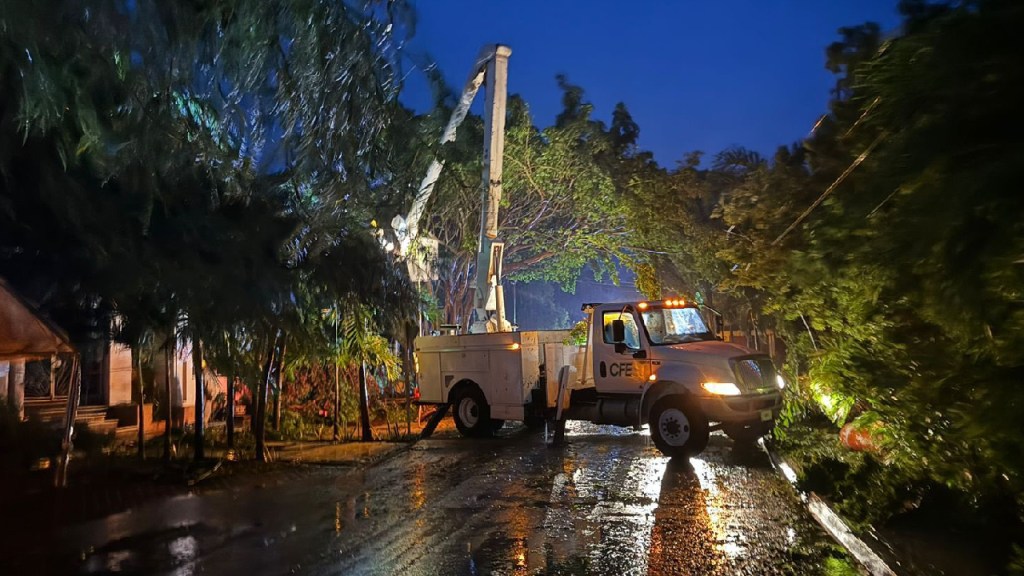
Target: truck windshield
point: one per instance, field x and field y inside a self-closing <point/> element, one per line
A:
<point x="675" y="325"/>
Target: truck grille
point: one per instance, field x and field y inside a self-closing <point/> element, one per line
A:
<point x="755" y="373"/>
<point x="751" y="405"/>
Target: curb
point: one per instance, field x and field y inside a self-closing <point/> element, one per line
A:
<point x="370" y="460"/>
<point x="830" y="521"/>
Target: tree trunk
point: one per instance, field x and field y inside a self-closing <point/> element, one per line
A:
<point x="261" y="403"/>
<point x="409" y="367"/>
<point x="197" y="369"/>
<point x="364" y="405"/>
<point x="275" y="409"/>
<point x="278" y="397"/>
<point x="140" y="390"/>
<point x="230" y="424"/>
<point x="337" y="399"/>
<point x="168" y="354"/>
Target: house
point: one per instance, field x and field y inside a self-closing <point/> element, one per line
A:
<point x="25" y="337"/>
<point x="38" y="361"/>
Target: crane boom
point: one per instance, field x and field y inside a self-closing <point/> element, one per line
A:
<point x="491" y="66"/>
<point x="407" y="228"/>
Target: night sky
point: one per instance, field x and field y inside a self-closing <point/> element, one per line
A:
<point x="695" y="75"/>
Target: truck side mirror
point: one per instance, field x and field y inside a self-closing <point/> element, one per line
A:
<point x="618" y="331"/>
<point x="719" y="327"/>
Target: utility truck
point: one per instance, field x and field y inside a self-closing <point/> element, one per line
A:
<point x="650" y="363"/>
<point x="642" y="363"/>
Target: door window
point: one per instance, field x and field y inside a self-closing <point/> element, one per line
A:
<point x="632" y="331"/>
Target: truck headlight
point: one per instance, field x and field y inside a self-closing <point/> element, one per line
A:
<point x="779" y="381"/>
<point x="721" y="388"/>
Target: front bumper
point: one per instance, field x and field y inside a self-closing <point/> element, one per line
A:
<point x="745" y="408"/>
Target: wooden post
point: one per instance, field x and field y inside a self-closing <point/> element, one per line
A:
<point x="16" y="387"/>
<point x="53" y="375"/>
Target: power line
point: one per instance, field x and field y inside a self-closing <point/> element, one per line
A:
<point x="856" y="162"/>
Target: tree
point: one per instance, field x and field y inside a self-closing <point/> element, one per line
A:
<point x="363" y="346"/>
<point x="139" y="175"/>
<point x="559" y="210"/>
<point x="886" y="248"/>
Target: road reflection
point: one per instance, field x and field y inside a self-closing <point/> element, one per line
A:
<point x="603" y="504"/>
<point x="684" y="535"/>
<point x="617" y="510"/>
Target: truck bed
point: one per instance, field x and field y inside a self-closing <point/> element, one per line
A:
<point x="505" y="365"/>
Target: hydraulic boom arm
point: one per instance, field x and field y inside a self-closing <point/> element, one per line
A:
<point x="407" y="228"/>
<point x="491" y="67"/>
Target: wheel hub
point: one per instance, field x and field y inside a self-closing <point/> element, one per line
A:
<point x="674" y="427"/>
<point x="469" y="412"/>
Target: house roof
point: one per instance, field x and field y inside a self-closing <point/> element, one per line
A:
<point x="24" y="332"/>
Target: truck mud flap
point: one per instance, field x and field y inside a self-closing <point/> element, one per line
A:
<point x="439" y="414"/>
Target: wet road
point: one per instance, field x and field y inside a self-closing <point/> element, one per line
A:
<point x="605" y="503"/>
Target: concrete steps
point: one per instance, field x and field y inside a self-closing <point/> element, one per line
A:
<point x="52" y="412"/>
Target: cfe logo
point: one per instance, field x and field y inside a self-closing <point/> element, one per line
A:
<point x="621" y="369"/>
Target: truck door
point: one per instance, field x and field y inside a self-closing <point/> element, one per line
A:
<point x="620" y="368"/>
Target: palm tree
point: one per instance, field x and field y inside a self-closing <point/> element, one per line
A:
<point x="362" y="346"/>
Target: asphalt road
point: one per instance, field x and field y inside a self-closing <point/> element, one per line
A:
<point x="605" y="503"/>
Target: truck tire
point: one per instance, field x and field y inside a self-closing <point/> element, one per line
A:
<point x="472" y="414"/>
<point x="678" y="428"/>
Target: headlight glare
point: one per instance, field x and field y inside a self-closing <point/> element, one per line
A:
<point x="722" y="388"/>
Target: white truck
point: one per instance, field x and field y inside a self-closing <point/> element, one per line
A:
<point x="643" y="363"/>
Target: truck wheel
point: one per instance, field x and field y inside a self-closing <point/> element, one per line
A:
<point x="678" y="428"/>
<point x="472" y="414"/>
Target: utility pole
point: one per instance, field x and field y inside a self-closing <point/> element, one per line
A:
<point x="491" y="252"/>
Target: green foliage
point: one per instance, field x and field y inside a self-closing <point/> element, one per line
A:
<point x="1016" y="566"/>
<point x="840" y="567"/>
<point x="143" y="136"/>
<point x="395" y="416"/>
<point x="863" y="488"/>
<point x="578" y="334"/>
<point x="885" y="249"/>
<point x="560" y="211"/>
<point x="199" y="171"/>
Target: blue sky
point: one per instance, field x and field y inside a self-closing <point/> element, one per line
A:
<point x="694" y="75"/>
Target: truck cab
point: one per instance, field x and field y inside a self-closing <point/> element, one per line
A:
<point x="684" y="380"/>
<point x="653" y="363"/>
